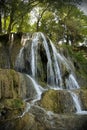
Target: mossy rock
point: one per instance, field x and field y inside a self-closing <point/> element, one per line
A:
<point x="15" y="85"/>
<point x="58" y="101"/>
<point x="9" y="83"/>
<point x="13" y="103"/>
<point x="12" y="108"/>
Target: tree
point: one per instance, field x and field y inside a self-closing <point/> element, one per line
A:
<point x="66" y="23"/>
<point x="54" y="17"/>
<point x="14" y="12"/>
<point x="2" y="8"/>
<point x="71" y="20"/>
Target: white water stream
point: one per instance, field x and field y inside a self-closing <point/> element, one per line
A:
<point x="34" y="47"/>
<point x="71" y="83"/>
<point x="76" y="102"/>
<point x="58" y="76"/>
<point x="39" y="91"/>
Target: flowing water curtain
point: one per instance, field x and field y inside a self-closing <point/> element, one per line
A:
<point x="20" y="64"/>
<point x="77" y="102"/>
<point x="58" y="76"/>
<point x="54" y="63"/>
<point x="50" y="72"/>
<point x="34" y="48"/>
<point x="54" y="66"/>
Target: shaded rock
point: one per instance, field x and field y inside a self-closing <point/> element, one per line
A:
<point x="51" y="121"/>
<point x="42" y="63"/>
<point x="25" y="123"/>
<point x="39" y="119"/>
<point x="12" y="109"/>
<point x="10" y="45"/>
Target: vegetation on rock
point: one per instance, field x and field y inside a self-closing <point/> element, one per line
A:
<point x="57" y="101"/>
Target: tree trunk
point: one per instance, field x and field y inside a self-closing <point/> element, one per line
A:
<point x="4" y="21"/>
<point x="37" y="26"/>
<point x="0" y="24"/>
<point x="67" y="40"/>
<point x="11" y="21"/>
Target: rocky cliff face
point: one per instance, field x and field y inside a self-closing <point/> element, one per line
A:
<point x="55" y="109"/>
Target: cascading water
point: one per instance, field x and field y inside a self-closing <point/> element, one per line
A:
<point x="37" y="88"/>
<point x="58" y="78"/>
<point x="54" y="64"/>
<point x="25" y="38"/>
<point x="34" y="47"/>
<point x="71" y="83"/>
<point x="76" y="102"/>
<point x="19" y="64"/>
<point x="39" y="91"/>
<point x="49" y="64"/>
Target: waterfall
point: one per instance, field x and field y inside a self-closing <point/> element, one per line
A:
<point x="71" y="83"/>
<point x="56" y="67"/>
<point x="37" y="88"/>
<point x="54" y="64"/>
<point x="39" y="91"/>
<point x="49" y="64"/>
<point x="34" y="56"/>
<point x="24" y="39"/>
<point x="11" y="39"/>
<point x="76" y="102"/>
<point x="19" y="64"/>
<point x="34" y="48"/>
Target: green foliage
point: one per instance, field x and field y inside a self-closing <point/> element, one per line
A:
<point x="71" y="23"/>
<point x="17" y="103"/>
<point x="60" y="20"/>
<point x="14" y="103"/>
<point x="80" y="59"/>
<point x="16" y="12"/>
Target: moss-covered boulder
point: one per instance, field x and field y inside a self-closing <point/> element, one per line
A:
<point x="10" y="84"/>
<point x="12" y="108"/>
<point x="15" y="85"/>
<point x="14" y="88"/>
<point x="58" y="101"/>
